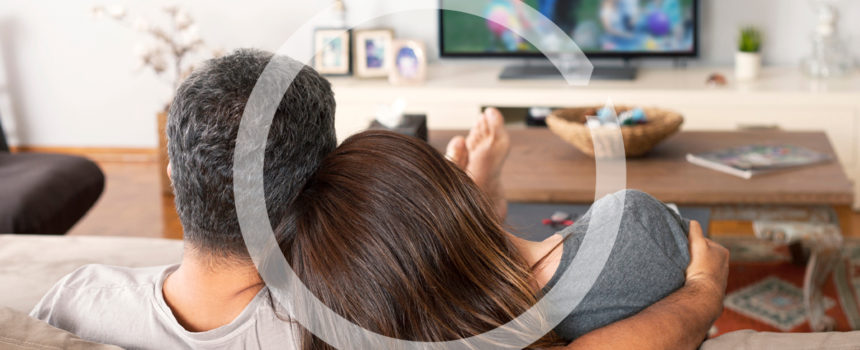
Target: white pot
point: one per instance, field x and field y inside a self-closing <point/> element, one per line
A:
<point x="747" y="65"/>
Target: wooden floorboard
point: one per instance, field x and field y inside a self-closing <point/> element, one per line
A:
<point x="132" y="205"/>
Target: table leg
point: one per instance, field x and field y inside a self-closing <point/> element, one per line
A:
<point x="824" y="242"/>
<point x="820" y="266"/>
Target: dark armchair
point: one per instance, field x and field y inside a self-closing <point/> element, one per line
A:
<point x="45" y="193"/>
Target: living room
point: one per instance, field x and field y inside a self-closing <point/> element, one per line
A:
<point x="741" y="116"/>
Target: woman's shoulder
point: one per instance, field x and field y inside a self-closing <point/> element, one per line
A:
<point x="552" y="251"/>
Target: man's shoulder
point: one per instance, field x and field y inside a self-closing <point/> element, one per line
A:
<point x="96" y="276"/>
<point x="84" y="302"/>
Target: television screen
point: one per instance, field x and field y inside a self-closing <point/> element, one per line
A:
<point x="598" y="27"/>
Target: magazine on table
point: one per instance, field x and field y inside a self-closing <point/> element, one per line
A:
<point x="750" y="160"/>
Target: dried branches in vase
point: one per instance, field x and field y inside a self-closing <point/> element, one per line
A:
<point x="168" y="51"/>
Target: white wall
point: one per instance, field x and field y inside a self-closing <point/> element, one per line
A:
<point x="71" y="79"/>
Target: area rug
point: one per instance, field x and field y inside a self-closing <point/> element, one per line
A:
<point x="765" y="289"/>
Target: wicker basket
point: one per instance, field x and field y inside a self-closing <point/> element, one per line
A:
<point x="569" y="124"/>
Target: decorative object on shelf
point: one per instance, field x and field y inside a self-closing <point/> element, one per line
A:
<point x="393" y="118"/>
<point x="169" y="48"/>
<point x="748" y="57"/>
<point x="337" y="16"/>
<point x="716" y="80"/>
<point x="166" y="53"/>
<point x="571" y="125"/>
<point x="372" y="53"/>
<point x="333" y="51"/>
<point x="829" y="57"/>
<point x="410" y="62"/>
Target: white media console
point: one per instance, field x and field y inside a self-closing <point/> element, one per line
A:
<point x="782" y="98"/>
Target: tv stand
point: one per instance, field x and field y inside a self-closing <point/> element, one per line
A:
<point x="548" y="71"/>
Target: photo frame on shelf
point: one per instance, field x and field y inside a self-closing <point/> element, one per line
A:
<point x="409" y="62"/>
<point x="333" y="51"/>
<point x="373" y="53"/>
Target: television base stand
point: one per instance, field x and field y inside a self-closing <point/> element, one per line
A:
<point x="548" y="71"/>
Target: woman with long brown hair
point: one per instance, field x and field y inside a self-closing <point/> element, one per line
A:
<point x="397" y="239"/>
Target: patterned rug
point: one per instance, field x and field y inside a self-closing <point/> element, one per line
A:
<point x="765" y="289"/>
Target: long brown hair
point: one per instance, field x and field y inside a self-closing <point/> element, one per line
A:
<point x="393" y="237"/>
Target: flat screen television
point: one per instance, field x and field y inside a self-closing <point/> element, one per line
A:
<point x="601" y="28"/>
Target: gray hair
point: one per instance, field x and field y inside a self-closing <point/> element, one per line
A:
<point x="202" y="127"/>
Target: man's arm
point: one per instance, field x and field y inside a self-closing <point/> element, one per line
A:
<point x="679" y="321"/>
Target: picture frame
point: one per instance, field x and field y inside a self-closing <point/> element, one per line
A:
<point x="409" y="62"/>
<point x="373" y="53"/>
<point x="332" y="49"/>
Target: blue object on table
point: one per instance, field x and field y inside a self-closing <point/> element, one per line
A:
<point x="633" y="117"/>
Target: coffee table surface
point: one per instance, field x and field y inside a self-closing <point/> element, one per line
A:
<point x="543" y="168"/>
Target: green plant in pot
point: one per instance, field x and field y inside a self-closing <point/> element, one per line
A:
<point x="748" y="57"/>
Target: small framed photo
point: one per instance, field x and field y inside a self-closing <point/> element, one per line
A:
<point x="332" y="51"/>
<point x="410" y="62"/>
<point x="373" y="53"/>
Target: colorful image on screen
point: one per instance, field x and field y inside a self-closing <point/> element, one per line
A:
<point x="597" y="26"/>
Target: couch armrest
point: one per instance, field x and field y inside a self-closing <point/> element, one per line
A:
<point x="752" y="340"/>
<point x="21" y="331"/>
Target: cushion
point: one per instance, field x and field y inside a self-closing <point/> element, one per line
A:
<point x="752" y="340"/>
<point x="46" y="193"/>
<point x="21" y="331"/>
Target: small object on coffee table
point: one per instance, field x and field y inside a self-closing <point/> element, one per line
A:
<point x="570" y="125"/>
<point x="633" y="116"/>
<point x="559" y="219"/>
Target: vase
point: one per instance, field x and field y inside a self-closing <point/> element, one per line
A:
<point x="166" y="189"/>
<point x="747" y="65"/>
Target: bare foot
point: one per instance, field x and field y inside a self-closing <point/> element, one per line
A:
<point x="457" y="152"/>
<point x="482" y="153"/>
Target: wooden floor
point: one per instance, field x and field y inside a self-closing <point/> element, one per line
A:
<point x="132" y="205"/>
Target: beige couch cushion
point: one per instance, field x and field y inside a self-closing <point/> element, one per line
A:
<point x="24" y="332"/>
<point x="30" y="265"/>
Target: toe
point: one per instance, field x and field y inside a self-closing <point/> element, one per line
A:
<point x="457" y="152"/>
<point x="476" y="134"/>
<point x="494" y="118"/>
<point x="483" y="124"/>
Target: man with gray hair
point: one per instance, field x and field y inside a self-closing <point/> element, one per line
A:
<point x="215" y="298"/>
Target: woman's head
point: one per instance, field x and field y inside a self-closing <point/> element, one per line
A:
<point x="393" y="237"/>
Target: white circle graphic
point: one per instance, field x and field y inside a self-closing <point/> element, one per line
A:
<point x="286" y="287"/>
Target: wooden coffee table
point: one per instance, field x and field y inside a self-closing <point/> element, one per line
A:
<point x="542" y="168"/>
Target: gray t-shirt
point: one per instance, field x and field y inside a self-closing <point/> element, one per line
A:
<point x="647" y="263"/>
<point x="125" y="307"/>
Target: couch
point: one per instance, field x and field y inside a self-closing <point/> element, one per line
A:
<point x="30" y="265"/>
<point x="45" y="193"/>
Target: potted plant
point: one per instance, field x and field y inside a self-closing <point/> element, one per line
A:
<point x="748" y="57"/>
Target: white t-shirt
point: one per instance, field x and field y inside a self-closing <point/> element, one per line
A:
<point x="125" y="307"/>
